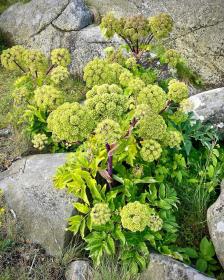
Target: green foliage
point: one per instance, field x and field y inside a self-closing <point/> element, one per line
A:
<point x="42" y="87"/>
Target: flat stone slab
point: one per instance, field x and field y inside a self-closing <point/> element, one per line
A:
<point x="165" y="268"/>
<point x="215" y="219"/>
<point x="40" y="208"/>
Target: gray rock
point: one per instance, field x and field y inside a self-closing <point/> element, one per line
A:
<point x="75" y="17"/>
<point x="40" y="208"/>
<point x="215" y="219"/>
<point x="209" y="106"/>
<point x="79" y="270"/>
<point x="165" y="268"/>
<point x="5" y="132"/>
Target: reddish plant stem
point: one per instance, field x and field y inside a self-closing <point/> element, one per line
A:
<point x="109" y="163"/>
<point x="50" y="69"/>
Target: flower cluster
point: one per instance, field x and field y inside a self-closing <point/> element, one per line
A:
<point x="59" y="74"/>
<point x="99" y="71"/>
<point x="35" y="60"/>
<point x="20" y="95"/>
<point x="173" y="138"/>
<point x="125" y="77"/>
<point x="48" y="97"/>
<point x="154" y="96"/>
<point x="106" y="101"/>
<point x="39" y="141"/>
<point x="151" y="150"/>
<point x="114" y="56"/>
<point x="178" y="91"/>
<point x="161" y="25"/>
<point x="172" y="57"/>
<point x="60" y="57"/>
<point x="155" y="223"/>
<point x="108" y="131"/>
<point x="135" y="85"/>
<point x="10" y="58"/>
<point x="100" y="214"/>
<point x="152" y="126"/>
<point x="70" y="122"/>
<point x="134" y="216"/>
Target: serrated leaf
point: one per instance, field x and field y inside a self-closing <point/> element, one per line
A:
<point x="82" y="228"/>
<point x="74" y="223"/>
<point x="201" y="265"/>
<point x="83" y="208"/>
<point x="119" y="234"/>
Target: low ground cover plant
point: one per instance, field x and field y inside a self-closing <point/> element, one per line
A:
<point x="144" y="169"/>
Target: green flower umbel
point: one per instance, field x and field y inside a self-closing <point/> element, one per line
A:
<point x="151" y="150"/>
<point x="40" y="141"/>
<point x="10" y="58"/>
<point x="178" y="91"/>
<point x="155" y="223"/>
<point x="134" y="216"/>
<point x="108" y="131"/>
<point x="100" y="214"/>
<point x="60" y="57"/>
<point x="59" y="74"/>
<point x="161" y="25"/>
<point x="173" y="138"/>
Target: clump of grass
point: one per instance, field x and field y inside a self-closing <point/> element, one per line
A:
<point x="21" y="260"/>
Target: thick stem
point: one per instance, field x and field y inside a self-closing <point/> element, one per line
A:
<point x="109" y="162"/>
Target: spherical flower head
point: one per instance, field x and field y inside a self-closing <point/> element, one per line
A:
<point x="150" y="151"/>
<point x="152" y="126"/>
<point x="39" y="141"/>
<point x="20" y="95"/>
<point x="135" y="28"/>
<point x="35" y="60"/>
<point x="108" y="131"/>
<point x="142" y="110"/>
<point x="125" y="77"/>
<point x="24" y="81"/>
<point x="155" y="223"/>
<point x="100" y="214"/>
<point x="109" y="25"/>
<point x="99" y="71"/>
<point x="131" y="62"/>
<point x="178" y="91"/>
<point x="172" y="57"/>
<point x="70" y="122"/>
<point x="172" y="138"/>
<point x="60" y="57"/>
<point x="178" y="117"/>
<point x="59" y="74"/>
<point x="161" y="25"/>
<point x="186" y="106"/>
<point x="135" y="85"/>
<point x="154" y="96"/>
<point x="10" y="58"/>
<point x="134" y="216"/>
<point x="106" y="102"/>
<point x="48" y="98"/>
<point x="137" y="171"/>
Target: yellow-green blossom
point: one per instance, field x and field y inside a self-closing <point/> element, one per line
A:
<point x="154" y="96"/>
<point x="151" y="150"/>
<point x="59" y="74"/>
<point x="135" y="85"/>
<point x="106" y="102"/>
<point x="152" y="126"/>
<point x="108" y="131"/>
<point x="161" y="25"/>
<point x="60" y="57"/>
<point x="70" y="122"/>
<point x="48" y="97"/>
<point x="155" y="223"/>
<point x="125" y="77"/>
<point x="12" y="57"/>
<point x="100" y="214"/>
<point x="172" y="138"/>
<point x="35" y="60"/>
<point x="134" y="216"/>
<point x="178" y="91"/>
<point x="39" y="141"/>
<point x="172" y="57"/>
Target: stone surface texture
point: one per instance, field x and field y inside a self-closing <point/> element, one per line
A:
<point x="40" y="209"/>
<point x="79" y="270"/>
<point x="48" y="24"/>
<point x="208" y="106"/>
<point x="165" y="268"/>
<point x="215" y="219"/>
